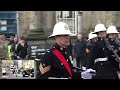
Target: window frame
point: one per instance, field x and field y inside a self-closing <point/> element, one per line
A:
<point x="73" y="19"/>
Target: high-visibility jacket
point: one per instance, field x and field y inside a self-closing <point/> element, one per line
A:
<point x="9" y="52"/>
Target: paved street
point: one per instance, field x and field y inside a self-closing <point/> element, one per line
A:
<point x="9" y="75"/>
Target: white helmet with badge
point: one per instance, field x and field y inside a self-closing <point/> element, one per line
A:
<point x="100" y="27"/>
<point x="91" y="35"/>
<point x="112" y="29"/>
<point x="60" y="28"/>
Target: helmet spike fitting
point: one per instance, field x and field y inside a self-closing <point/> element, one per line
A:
<point x="99" y="22"/>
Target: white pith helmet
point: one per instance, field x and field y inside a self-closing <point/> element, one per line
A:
<point x="112" y="29"/>
<point x="60" y="28"/>
<point x="91" y="35"/>
<point x="100" y="27"/>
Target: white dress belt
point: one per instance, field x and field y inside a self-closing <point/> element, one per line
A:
<point x="56" y="78"/>
<point x="100" y="59"/>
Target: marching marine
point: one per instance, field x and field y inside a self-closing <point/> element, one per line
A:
<point x="57" y="62"/>
<point x="90" y="43"/>
<point x="100" y="55"/>
<point x="112" y="34"/>
<point x="89" y="72"/>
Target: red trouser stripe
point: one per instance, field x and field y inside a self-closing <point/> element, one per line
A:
<point x="63" y="60"/>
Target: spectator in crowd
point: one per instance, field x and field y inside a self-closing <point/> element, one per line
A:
<point x="22" y="49"/>
<point x="80" y="47"/>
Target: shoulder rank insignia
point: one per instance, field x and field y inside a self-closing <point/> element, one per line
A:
<point x="43" y="69"/>
<point x="87" y="50"/>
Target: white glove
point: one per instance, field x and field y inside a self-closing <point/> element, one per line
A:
<point x="86" y="75"/>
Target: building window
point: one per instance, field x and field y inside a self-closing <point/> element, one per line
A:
<point x="66" y="14"/>
<point x="8" y="22"/>
<point x="67" y="17"/>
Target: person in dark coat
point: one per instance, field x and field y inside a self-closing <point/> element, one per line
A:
<point x="22" y="49"/>
<point x="14" y="48"/>
<point x="80" y="47"/>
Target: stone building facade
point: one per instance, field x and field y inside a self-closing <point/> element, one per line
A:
<point x="36" y="26"/>
<point x="91" y="18"/>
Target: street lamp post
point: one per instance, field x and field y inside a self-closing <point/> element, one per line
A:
<point x="80" y="21"/>
<point x="17" y="18"/>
